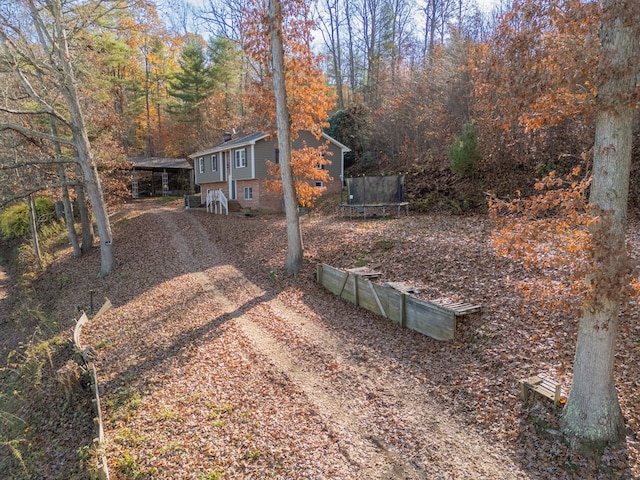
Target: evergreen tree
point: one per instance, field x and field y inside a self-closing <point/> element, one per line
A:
<point x="193" y="84"/>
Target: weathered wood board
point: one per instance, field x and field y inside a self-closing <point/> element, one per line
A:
<point x="395" y="306"/>
<point x="372" y="297"/>
<point x="545" y="387"/>
<point x="429" y="319"/>
<point x="436" y="318"/>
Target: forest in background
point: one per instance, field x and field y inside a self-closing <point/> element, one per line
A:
<point x="463" y="104"/>
<point x="510" y="90"/>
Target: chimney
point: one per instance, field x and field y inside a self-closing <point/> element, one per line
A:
<point x="226" y="136"/>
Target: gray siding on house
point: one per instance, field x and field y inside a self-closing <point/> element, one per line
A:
<point x="264" y="150"/>
<point x="335" y="168"/>
<point x="208" y="175"/>
<point x="243" y="173"/>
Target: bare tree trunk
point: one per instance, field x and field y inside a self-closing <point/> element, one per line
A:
<point x="592" y="415"/>
<point x="148" y="149"/>
<point x="92" y="184"/>
<point x="80" y="138"/>
<point x="333" y="10"/>
<point x="68" y="213"/>
<point x="352" y="54"/>
<point x="283" y="119"/>
<point x="33" y="226"/>
<point x="85" y="216"/>
<point x="66" y="202"/>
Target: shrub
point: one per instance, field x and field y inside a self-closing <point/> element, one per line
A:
<point x="464" y="153"/>
<point x="14" y="221"/>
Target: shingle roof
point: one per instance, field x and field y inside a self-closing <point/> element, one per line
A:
<point x="233" y="143"/>
<point x="249" y="140"/>
<point x="159" y="162"/>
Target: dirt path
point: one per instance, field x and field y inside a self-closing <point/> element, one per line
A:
<point x="287" y="395"/>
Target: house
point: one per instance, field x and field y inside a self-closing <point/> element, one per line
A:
<point x="237" y="168"/>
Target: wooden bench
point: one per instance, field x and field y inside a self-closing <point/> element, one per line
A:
<point x="545" y="387"/>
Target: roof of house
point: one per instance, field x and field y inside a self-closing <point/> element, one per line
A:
<point x="156" y="163"/>
<point x="233" y="143"/>
<point x="249" y="140"/>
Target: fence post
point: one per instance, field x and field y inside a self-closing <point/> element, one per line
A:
<point x="355" y="290"/>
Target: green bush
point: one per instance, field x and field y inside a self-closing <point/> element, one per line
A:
<point x="14" y="221"/>
<point x="465" y="153"/>
<point x="46" y="209"/>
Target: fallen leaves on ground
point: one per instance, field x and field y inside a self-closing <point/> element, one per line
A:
<point x="215" y="364"/>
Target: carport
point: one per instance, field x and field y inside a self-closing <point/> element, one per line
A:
<point x="151" y="176"/>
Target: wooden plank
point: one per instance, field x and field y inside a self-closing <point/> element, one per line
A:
<point x="350" y="290"/>
<point x="403" y="287"/>
<point x="395" y="305"/>
<point x="333" y="279"/>
<point x="544" y="386"/>
<point x="105" y="307"/>
<point x="430" y="319"/>
<point x="468" y="309"/>
<point x="459" y="308"/>
<point x="364" y="271"/>
<point x="78" y="328"/>
<point x="377" y="298"/>
<point x="367" y="296"/>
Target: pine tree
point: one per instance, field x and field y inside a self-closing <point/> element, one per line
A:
<point x="193" y="84"/>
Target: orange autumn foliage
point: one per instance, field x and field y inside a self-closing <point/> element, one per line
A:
<point x="308" y="165"/>
<point x="552" y="234"/>
<point x="548" y="234"/>
<point x="309" y="98"/>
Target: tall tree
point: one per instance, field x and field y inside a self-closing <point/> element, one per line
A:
<point x="52" y="24"/>
<point x="330" y="23"/>
<point x="283" y="119"/>
<point x="546" y="94"/>
<point x="193" y="83"/>
<point x="306" y="96"/>
<point x="592" y="415"/>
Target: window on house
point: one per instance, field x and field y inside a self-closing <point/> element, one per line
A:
<point x="277" y="155"/>
<point x="248" y="193"/>
<point x="201" y="165"/>
<point x="214" y="163"/>
<point x="319" y="184"/>
<point x="241" y="158"/>
<point x="319" y="166"/>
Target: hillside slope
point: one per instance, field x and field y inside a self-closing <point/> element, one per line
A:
<point x="214" y="364"/>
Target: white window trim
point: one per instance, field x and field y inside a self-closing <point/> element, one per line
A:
<point x="248" y="190"/>
<point x="240" y="157"/>
<point x="319" y="183"/>
<point x="201" y="165"/>
<point x="214" y="163"/>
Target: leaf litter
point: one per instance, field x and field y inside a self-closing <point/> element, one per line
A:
<point x="215" y="364"/>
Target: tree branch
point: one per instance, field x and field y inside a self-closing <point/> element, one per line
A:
<point x="37" y="161"/>
<point x="28" y="132"/>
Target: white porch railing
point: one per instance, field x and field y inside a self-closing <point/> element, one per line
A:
<point x="217" y="202"/>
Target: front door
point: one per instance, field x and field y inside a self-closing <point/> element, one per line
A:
<point x="232" y="182"/>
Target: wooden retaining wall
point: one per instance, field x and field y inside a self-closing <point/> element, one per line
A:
<point x="86" y="351"/>
<point x="397" y="305"/>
